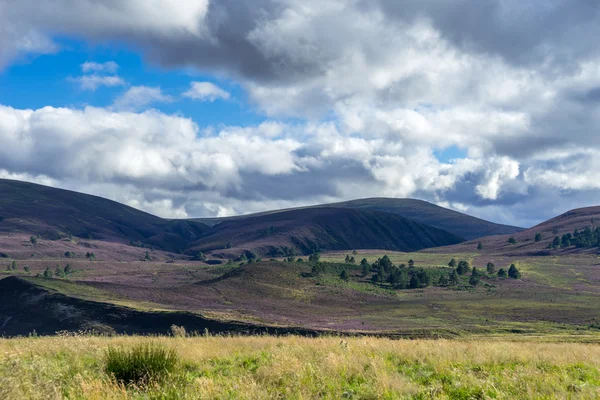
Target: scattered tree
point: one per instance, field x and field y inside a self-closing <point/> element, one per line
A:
<point x="26" y="268"/>
<point x="538" y="237"/>
<point x="513" y="272"/>
<point x="474" y="279"/>
<point x="414" y="282"/>
<point x="512" y="240"/>
<point x="452" y="263"/>
<point x="354" y="252"/>
<point x="315" y="257"/>
<point x="33" y="240"/>
<point x="463" y="268"/>
<point x="58" y="271"/>
<point x="68" y="270"/>
<point x="147" y="257"/>
<point x="453" y="277"/>
<point x="344" y="276"/>
<point x="479" y="246"/>
<point x="366" y="268"/>
<point x="556" y="243"/>
<point x="47" y="273"/>
<point x="411" y="263"/>
<point x="502" y="273"/>
<point x="200" y="256"/>
<point x="443" y="281"/>
<point x="13" y="266"/>
<point x="491" y="268"/>
<point x="385" y="263"/>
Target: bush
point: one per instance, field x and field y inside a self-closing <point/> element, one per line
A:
<point x="140" y="365"/>
<point x="512" y="240"/>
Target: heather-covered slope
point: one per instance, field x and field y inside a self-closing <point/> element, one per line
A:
<point x="315" y="229"/>
<point x="53" y="213"/>
<point x="419" y="211"/>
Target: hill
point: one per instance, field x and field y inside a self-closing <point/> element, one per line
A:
<point x="31" y="209"/>
<point x="419" y="211"/>
<point x="538" y="240"/>
<point x="55" y="213"/>
<point x="306" y="231"/>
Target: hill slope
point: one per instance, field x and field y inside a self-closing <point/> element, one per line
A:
<point x="54" y="213"/>
<point x="419" y="211"/>
<point x="313" y="229"/>
<point x="537" y="241"/>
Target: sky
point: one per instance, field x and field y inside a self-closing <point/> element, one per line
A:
<point x="201" y="108"/>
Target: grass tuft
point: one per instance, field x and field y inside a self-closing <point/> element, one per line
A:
<point x="141" y="364"/>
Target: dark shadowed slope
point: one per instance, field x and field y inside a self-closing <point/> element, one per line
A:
<point x="26" y="307"/>
<point x="313" y="229"/>
<point x="420" y="211"/>
<point x="53" y="213"/>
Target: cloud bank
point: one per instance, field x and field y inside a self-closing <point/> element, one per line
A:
<point x="379" y="87"/>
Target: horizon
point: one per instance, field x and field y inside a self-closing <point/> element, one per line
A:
<point x="217" y="108"/>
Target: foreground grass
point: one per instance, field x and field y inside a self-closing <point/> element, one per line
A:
<point x="303" y="368"/>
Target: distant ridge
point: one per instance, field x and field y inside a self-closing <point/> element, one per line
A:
<point x="32" y="209"/>
<point x="305" y="231"/>
<point x="419" y="211"/>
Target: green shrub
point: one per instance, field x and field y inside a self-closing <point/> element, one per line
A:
<point x="141" y="364"/>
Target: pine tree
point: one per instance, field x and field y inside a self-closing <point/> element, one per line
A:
<point x="502" y="273"/>
<point x="514" y="272"/>
<point x="366" y="268"/>
<point x="491" y="268"/>
<point x="474" y="279"/>
<point x="452" y="263"/>
<point x="344" y="276"/>
<point x="453" y="277"/>
<point x="480" y="246"/>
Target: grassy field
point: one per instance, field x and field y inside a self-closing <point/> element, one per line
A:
<point x="73" y="367"/>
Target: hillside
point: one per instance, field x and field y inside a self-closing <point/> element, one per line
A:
<point x="30" y="209"/>
<point x="305" y="231"/>
<point x="54" y="213"/>
<point x="419" y="211"/>
<point x="538" y="240"/>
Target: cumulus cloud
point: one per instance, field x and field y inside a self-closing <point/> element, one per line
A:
<point x="206" y="91"/>
<point x="515" y="85"/>
<point x="138" y="97"/>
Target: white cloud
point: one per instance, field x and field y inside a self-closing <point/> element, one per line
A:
<point x="93" y="82"/>
<point x="206" y="91"/>
<point x="516" y="87"/>
<point x="109" y="67"/>
<point x="138" y="97"/>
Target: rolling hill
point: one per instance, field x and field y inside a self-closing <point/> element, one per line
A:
<point x="54" y="213"/>
<point x="419" y="211"/>
<point x="32" y="209"/>
<point x="305" y="231"/>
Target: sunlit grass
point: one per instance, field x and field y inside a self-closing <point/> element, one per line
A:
<point x="304" y="368"/>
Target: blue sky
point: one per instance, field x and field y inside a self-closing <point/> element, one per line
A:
<point x="48" y="80"/>
<point x="221" y="107"/>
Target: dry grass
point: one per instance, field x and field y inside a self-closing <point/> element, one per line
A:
<point x="303" y="368"/>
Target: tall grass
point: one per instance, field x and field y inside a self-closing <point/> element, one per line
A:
<point x="301" y="368"/>
<point x="142" y="364"/>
